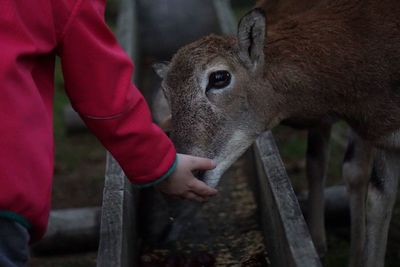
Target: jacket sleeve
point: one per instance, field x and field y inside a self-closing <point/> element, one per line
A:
<point x="97" y="76"/>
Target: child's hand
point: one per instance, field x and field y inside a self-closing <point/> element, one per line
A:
<point x="183" y="184"/>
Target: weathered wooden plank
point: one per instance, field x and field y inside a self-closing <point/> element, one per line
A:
<point x="127" y="29"/>
<point x="119" y="242"/>
<point x="288" y="240"/>
<point x="118" y="237"/>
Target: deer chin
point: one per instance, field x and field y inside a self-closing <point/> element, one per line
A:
<point x="234" y="148"/>
<point x="212" y="178"/>
<point x="239" y="142"/>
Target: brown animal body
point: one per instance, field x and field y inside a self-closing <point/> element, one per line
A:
<point x="348" y="63"/>
<point x="337" y="59"/>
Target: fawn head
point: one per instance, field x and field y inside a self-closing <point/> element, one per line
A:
<point x="212" y="87"/>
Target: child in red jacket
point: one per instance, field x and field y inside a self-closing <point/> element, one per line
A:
<point x="97" y="76"/>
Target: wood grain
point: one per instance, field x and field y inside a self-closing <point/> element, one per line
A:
<point x="286" y="233"/>
<point x="119" y="242"/>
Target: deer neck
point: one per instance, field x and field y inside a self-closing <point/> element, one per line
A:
<point x="293" y="86"/>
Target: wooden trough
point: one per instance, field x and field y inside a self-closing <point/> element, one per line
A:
<point x="284" y="229"/>
<point x="286" y="233"/>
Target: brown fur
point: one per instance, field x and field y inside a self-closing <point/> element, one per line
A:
<point x="280" y="9"/>
<point x="337" y="59"/>
<point x="340" y="59"/>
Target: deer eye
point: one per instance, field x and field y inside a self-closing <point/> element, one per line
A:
<point x="218" y="80"/>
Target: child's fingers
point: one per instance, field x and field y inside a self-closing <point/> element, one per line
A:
<point x="198" y="163"/>
<point x="201" y="189"/>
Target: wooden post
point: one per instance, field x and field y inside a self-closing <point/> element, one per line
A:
<point x="285" y="231"/>
<point x="225" y="16"/>
<point x="119" y="243"/>
<point x="118" y="237"/>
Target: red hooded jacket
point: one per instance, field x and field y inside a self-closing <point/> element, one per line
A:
<point x="97" y="76"/>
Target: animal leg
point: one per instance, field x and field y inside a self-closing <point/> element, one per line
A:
<point x="317" y="161"/>
<point x="381" y="198"/>
<point x="357" y="166"/>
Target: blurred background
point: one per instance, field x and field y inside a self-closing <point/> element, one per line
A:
<point x="80" y="166"/>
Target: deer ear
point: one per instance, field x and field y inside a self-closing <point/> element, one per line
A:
<point x="251" y="37"/>
<point x="161" y="68"/>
